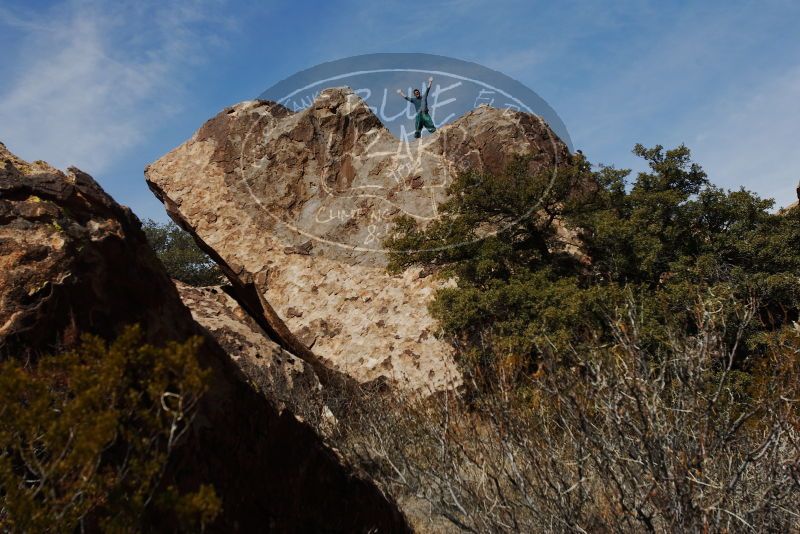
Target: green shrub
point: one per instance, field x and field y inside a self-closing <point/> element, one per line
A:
<point x="181" y="256"/>
<point x="523" y="297"/>
<point x="85" y="435"/>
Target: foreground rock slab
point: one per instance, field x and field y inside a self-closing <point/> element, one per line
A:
<point x="72" y="261"/>
<point x="279" y="375"/>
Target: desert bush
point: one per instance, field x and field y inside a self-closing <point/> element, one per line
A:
<point x="625" y="439"/>
<point x="630" y="350"/>
<point x="85" y="436"/>
<point x="559" y="254"/>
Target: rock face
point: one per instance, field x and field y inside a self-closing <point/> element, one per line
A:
<point x="295" y="206"/>
<point x="74" y="261"/>
<point x="278" y="374"/>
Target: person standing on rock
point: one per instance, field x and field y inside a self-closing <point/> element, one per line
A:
<point x="421" y="105"/>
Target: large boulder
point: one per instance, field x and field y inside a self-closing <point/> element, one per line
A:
<point x="295" y="206"/>
<point x="71" y="261"/>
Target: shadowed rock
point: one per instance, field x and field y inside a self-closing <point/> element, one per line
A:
<point x="72" y="261"/>
<point x="278" y="374"/>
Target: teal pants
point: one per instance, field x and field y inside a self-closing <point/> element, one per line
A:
<point x="423" y="119"/>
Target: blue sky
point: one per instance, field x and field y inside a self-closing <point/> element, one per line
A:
<point x="111" y="86"/>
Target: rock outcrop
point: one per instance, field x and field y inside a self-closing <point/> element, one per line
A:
<point x="793" y="205"/>
<point x="295" y="206"/>
<point x="278" y="374"/>
<point x="71" y="261"/>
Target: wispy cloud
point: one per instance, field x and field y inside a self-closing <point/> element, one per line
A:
<point x="96" y="77"/>
<point x="751" y="138"/>
<point x="711" y="79"/>
<point x="11" y="19"/>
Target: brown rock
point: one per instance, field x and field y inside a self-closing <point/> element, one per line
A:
<point x="304" y="249"/>
<point x="307" y="337"/>
<point x="74" y="261"/>
<point x="795" y="204"/>
<point x="278" y="374"/>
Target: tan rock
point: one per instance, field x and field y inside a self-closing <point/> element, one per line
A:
<point x="794" y="205"/>
<point x="299" y="204"/>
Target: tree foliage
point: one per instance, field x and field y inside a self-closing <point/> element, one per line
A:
<point x="632" y="348"/>
<point x="541" y="262"/>
<point x="181" y="256"/>
<point x="85" y="435"/>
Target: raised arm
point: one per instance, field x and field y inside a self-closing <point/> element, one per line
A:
<point x="400" y="92"/>
<point x="428" y="89"/>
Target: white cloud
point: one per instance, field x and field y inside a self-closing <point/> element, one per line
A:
<point x="96" y="77"/>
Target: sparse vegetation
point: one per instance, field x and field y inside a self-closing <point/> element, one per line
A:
<point x="623" y="440"/>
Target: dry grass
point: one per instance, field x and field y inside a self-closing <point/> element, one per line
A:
<point x="622" y="441"/>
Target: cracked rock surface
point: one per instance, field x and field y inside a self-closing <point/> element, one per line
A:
<point x="296" y="206"/>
